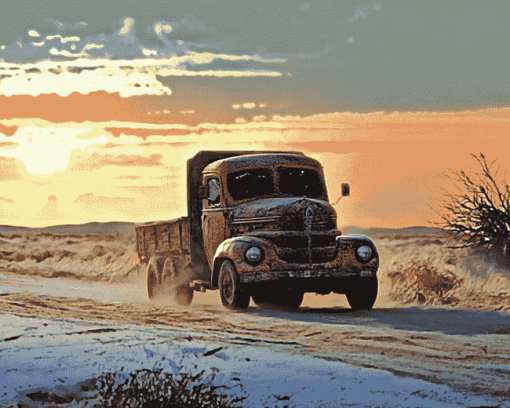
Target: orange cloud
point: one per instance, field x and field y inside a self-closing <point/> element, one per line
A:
<point x="8" y="145"/>
<point x="90" y="200"/>
<point x="51" y="212"/>
<point x="8" y="130"/>
<point x="95" y="107"/>
<point x="145" y="133"/>
<point x="6" y="200"/>
<point x="128" y="177"/>
<point x="95" y="161"/>
<point x="10" y="169"/>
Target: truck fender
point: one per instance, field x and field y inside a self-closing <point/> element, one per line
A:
<point x="234" y="249"/>
<point x="349" y="243"/>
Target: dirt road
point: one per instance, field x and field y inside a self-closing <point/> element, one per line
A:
<point x="467" y="350"/>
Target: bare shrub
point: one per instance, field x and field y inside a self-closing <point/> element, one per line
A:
<point x="154" y="388"/>
<point x="421" y="281"/>
<point x="479" y="216"/>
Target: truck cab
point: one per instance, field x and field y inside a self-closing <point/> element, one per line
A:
<point x="268" y="217"/>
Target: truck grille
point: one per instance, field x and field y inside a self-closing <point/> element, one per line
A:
<point x="294" y="249"/>
<point x="301" y="256"/>
<point x="293" y="242"/>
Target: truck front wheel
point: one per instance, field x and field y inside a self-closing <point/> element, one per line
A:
<point x="233" y="295"/>
<point x="363" y="293"/>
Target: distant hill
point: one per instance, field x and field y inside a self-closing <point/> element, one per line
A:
<point x="129" y="228"/>
<point x="409" y="231"/>
<point x="89" y="228"/>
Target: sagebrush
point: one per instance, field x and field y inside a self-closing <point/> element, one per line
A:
<point x="146" y="388"/>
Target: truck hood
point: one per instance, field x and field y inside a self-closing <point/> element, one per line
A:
<point x="287" y="214"/>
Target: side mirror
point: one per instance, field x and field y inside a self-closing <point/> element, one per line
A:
<point x="346" y="190"/>
<point x="203" y="192"/>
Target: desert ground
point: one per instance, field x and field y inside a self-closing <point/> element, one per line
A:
<point x="441" y="317"/>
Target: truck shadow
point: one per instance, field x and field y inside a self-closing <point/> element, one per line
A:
<point x="447" y="321"/>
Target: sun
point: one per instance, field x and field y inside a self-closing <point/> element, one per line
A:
<point x="45" y="151"/>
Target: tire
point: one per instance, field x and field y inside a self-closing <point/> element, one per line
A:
<point x="290" y="298"/>
<point x="232" y="294"/>
<point x="181" y="293"/>
<point x="152" y="281"/>
<point x="363" y="294"/>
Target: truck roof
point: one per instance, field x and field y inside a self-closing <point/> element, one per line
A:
<point x="257" y="160"/>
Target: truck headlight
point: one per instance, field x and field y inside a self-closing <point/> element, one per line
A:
<point x="254" y="255"/>
<point x="364" y="253"/>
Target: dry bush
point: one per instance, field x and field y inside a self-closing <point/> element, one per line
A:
<point x="153" y="388"/>
<point x="479" y="215"/>
<point x="422" y="282"/>
<point x="422" y="271"/>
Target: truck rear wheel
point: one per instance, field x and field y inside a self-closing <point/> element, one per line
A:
<point x="363" y="294"/>
<point x="154" y="282"/>
<point x="232" y="294"/>
<point x="176" y="283"/>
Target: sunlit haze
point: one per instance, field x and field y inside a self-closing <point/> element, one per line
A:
<point x="101" y="106"/>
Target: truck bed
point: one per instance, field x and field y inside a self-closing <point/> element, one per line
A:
<point x="170" y="237"/>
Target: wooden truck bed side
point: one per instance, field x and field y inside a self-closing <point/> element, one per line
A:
<point x="170" y="237"/>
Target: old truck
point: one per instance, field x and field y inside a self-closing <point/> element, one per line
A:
<point x="259" y="225"/>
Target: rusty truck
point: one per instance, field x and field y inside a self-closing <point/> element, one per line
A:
<point x="260" y="225"/>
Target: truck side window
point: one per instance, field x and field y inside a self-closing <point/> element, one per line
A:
<point x="214" y="192"/>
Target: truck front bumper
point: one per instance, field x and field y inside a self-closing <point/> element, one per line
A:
<point x="265" y="276"/>
<point x="343" y="263"/>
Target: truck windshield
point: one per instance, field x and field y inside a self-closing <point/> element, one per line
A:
<point x="300" y="182"/>
<point x="250" y="183"/>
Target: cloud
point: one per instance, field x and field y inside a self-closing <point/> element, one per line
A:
<point x="127" y="177"/>
<point x="8" y="145"/>
<point x="10" y="169"/>
<point x="94" y="204"/>
<point x="51" y="212"/>
<point x="127" y="26"/>
<point x="62" y="79"/>
<point x="96" y="161"/>
<point x="127" y="77"/>
<point x="248" y="105"/>
<point x="6" y="200"/>
<point x="82" y="53"/>
<point x="145" y="133"/>
<point x="161" y="27"/>
<point x="33" y="33"/>
<point x="8" y="130"/>
<point x="63" y="40"/>
<point x="350" y="40"/>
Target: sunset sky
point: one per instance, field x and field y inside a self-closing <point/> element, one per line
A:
<point x="102" y="103"/>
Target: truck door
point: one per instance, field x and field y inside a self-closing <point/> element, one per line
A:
<point x="213" y="219"/>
